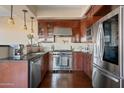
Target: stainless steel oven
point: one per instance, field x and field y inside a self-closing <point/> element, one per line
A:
<point x="62" y="60"/>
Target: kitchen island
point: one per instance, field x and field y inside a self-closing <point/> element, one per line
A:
<point x="17" y="73"/>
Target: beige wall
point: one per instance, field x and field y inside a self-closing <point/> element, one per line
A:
<point x="14" y="34"/>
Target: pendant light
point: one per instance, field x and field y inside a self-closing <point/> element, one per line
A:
<point x="25" y="26"/>
<point x="32" y="30"/>
<point x="11" y="20"/>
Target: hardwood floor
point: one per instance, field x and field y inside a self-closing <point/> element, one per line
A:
<point x="66" y="80"/>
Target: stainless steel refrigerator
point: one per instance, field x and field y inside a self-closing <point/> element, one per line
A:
<point x="108" y="64"/>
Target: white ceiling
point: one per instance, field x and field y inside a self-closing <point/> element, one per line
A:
<point x="59" y="6"/>
<point x="61" y="11"/>
<point x="47" y="11"/>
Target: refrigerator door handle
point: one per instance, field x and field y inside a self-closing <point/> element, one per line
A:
<point x="102" y="45"/>
<point x="98" y="42"/>
<point x="103" y="42"/>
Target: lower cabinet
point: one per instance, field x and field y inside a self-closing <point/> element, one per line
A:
<point x="83" y="62"/>
<point x="13" y="74"/>
<point x="77" y="61"/>
<point x="44" y="65"/>
<point x="87" y="64"/>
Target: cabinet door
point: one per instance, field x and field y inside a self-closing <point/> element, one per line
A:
<point x="42" y="68"/>
<point x="50" y="37"/>
<point x="45" y="32"/>
<point x="13" y="74"/>
<point x="83" y="61"/>
<point x="90" y="65"/>
<point x="76" y="35"/>
<point x="78" y="61"/>
<point x="50" y="62"/>
<point x="47" y="61"/>
<point x="87" y="64"/>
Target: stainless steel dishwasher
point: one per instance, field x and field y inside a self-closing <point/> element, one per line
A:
<point x="35" y="72"/>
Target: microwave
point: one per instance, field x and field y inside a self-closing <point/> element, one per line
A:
<point x="89" y="34"/>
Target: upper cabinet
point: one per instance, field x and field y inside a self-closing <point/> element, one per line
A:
<point x="46" y="29"/>
<point x="92" y="15"/>
<point x="98" y="10"/>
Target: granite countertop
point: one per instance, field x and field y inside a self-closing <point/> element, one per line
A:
<point x="34" y="55"/>
<point x="27" y="56"/>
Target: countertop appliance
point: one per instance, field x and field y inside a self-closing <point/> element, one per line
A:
<point x="35" y="72"/>
<point x="108" y="64"/>
<point x="17" y="51"/>
<point x="62" y="60"/>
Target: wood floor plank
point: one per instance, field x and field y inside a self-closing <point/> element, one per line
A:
<point x="66" y="80"/>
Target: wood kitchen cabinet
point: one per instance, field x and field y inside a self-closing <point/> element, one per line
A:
<point x="83" y="62"/>
<point x="98" y="10"/>
<point x="45" y="32"/>
<point x="93" y="10"/>
<point x="46" y="62"/>
<point x="13" y="74"/>
<point x="46" y="28"/>
<point x="76" y="35"/>
<point x="87" y="64"/>
<point x="50" y="62"/>
<point x="44" y="65"/>
<point x="93" y="15"/>
<point x="77" y="61"/>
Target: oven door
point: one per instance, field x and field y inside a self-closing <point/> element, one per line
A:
<point x="62" y="62"/>
<point x="56" y="61"/>
<point x="108" y="43"/>
<point x="66" y="62"/>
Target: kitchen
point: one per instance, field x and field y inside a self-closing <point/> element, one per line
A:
<point x="55" y="47"/>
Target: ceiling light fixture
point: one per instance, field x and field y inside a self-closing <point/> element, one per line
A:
<point x="32" y="30"/>
<point x="11" y="20"/>
<point x="25" y="26"/>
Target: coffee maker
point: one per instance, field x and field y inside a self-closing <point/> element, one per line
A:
<point x="17" y="51"/>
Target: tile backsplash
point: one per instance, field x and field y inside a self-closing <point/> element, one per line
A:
<point x="84" y="47"/>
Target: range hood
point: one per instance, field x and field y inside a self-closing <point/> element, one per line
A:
<point x="62" y="31"/>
